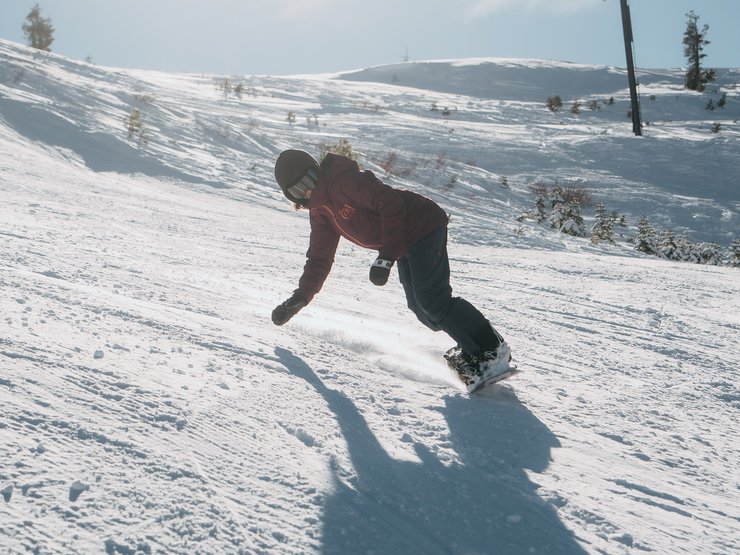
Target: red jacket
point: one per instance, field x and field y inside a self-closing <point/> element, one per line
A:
<point x="358" y="206"/>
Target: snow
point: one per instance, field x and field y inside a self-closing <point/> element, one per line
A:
<point x="147" y="403"/>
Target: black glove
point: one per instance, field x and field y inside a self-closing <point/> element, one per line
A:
<point x="287" y="310"/>
<point x="380" y="270"/>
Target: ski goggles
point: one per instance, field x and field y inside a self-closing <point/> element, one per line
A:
<point x="306" y="183"/>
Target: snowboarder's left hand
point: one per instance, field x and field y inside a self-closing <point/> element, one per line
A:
<point x="380" y="270"/>
<point x="285" y="311"/>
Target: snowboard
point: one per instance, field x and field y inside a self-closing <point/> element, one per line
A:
<point x="489" y="381"/>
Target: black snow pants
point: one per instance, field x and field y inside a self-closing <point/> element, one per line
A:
<point x="425" y="275"/>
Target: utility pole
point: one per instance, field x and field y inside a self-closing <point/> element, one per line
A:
<point x="629" y="49"/>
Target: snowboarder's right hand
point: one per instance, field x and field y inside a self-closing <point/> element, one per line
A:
<point x="285" y="311"/>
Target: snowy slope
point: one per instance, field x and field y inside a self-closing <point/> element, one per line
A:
<point x="147" y="404"/>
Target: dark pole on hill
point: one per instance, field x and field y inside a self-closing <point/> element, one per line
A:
<point x="629" y="48"/>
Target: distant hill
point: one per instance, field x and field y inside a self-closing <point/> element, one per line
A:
<point x="510" y="79"/>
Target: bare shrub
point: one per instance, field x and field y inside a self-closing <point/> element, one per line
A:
<point x="442" y="161"/>
<point x="343" y="148"/>
<point x="393" y="166"/>
<point x="135" y="127"/>
<point x="390" y="162"/>
<point x="575" y="193"/>
<point x="554" y="103"/>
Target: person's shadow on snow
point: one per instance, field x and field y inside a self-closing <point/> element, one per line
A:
<point x="484" y="504"/>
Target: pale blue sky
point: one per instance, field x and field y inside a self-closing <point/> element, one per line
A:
<point x="312" y="36"/>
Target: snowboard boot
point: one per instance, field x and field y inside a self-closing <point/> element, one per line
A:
<point x="455" y="358"/>
<point x="477" y="367"/>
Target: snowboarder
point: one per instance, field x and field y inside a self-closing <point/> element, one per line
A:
<point x="406" y="229"/>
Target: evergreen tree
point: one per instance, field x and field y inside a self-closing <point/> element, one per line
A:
<point x="685" y="251"/>
<point x="573" y="223"/>
<point x="621" y="220"/>
<point x="557" y="208"/>
<point x="694" y="41"/>
<point x="735" y="254"/>
<point x="566" y="217"/>
<point x="708" y="253"/>
<point x="38" y="30"/>
<point x="540" y="214"/>
<point x="666" y="245"/>
<point x="645" y="240"/>
<point x="602" y="229"/>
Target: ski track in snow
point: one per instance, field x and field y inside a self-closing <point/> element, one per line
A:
<point x="149" y="405"/>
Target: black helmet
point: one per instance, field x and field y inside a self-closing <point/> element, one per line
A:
<point x="290" y="167"/>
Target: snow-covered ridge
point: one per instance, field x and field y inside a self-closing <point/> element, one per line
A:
<point x="528" y="80"/>
<point x="148" y="405"/>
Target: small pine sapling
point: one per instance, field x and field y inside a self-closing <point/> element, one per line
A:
<point x="667" y="245"/>
<point x="645" y="241"/>
<point x="602" y="228"/>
